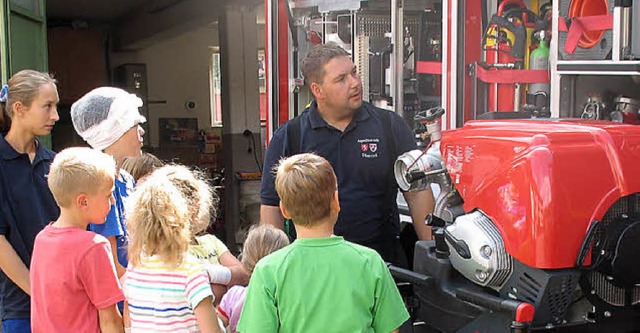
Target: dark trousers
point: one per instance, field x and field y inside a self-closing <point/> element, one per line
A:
<point x="390" y="250"/>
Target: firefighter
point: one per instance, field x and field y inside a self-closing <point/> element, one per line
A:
<point x="362" y="143"/>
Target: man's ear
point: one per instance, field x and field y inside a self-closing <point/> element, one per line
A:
<point x="82" y="201"/>
<point x="316" y="90"/>
<point x="284" y="212"/>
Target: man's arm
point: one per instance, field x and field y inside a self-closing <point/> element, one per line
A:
<point x="13" y="267"/>
<point x="114" y="253"/>
<point x="420" y="205"/>
<point x="271" y="215"/>
<point x="269" y="208"/>
<point x="110" y="320"/>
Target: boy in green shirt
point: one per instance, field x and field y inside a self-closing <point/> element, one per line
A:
<point x="320" y="283"/>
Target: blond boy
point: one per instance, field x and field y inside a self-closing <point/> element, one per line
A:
<point x="73" y="278"/>
<point x="320" y="283"/>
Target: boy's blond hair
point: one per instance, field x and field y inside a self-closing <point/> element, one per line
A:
<point x="306" y="185"/>
<point x="171" y="206"/>
<point x="261" y="241"/>
<point x="79" y="170"/>
<point x="142" y="166"/>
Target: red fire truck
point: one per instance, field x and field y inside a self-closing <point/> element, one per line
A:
<point x="526" y="113"/>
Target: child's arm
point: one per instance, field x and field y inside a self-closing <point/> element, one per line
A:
<point x="206" y="316"/>
<point x="13" y="267"/>
<point x="125" y="315"/>
<point x="114" y="253"/>
<point x="225" y="308"/>
<point x="224" y="319"/>
<point x="218" y="291"/>
<point x="389" y="311"/>
<point x="238" y="275"/>
<point x="260" y="310"/>
<point x="98" y="276"/>
<point x="110" y="320"/>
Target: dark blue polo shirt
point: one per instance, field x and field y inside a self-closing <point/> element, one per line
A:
<point x="27" y="206"/>
<point x="362" y="158"/>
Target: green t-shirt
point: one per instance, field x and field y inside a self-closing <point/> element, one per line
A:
<point x="322" y="285"/>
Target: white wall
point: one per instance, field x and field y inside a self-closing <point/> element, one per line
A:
<point x="177" y="72"/>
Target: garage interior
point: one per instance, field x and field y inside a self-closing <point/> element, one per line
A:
<point x="176" y="56"/>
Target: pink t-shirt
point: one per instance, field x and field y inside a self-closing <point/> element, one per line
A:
<point x="72" y="277"/>
<point x="231" y="305"/>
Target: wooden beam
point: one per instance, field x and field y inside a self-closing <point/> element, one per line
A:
<point x="155" y="22"/>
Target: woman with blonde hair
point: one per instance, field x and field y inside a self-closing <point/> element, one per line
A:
<point x="162" y="277"/>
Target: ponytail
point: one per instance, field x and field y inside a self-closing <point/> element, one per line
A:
<point x="5" y="121"/>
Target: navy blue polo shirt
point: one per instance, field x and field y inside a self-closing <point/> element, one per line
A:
<point x="362" y="158"/>
<point x="27" y="206"/>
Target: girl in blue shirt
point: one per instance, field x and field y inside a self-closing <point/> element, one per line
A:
<point x="29" y="109"/>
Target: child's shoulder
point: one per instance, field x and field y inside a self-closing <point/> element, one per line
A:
<point x="73" y="233"/>
<point x="90" y="239"/>
<point x="236" y="291"/>
<point x="275" y="259"/>
<point x="76" y="241"/>
<point x="192" y="263"/>
<point x="126" y="177"/>
<point x="364" y="252"/>
<point x="208" y="239"/>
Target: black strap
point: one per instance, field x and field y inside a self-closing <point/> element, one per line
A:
<point x="388" y="134"/>
<point x="293" y="137"/>
<point x="392" y="189"/>
<point x="292" y="148"/>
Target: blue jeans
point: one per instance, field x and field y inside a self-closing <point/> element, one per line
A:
<point x="22" y="325"/>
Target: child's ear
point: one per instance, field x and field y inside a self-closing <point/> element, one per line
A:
<point x="284" y="212"/>
<point x="18" y="109"/>
<point x="81" y="201"/>
<point x="335" y="202"/>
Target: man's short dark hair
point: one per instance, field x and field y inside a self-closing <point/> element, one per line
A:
<point x="312" y="66"/>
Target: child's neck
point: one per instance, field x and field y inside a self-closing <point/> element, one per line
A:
<point x="69" y="218"/>
<point x="319" y="229"/>
<point x="117" y="155"/>
<point x="21" y="141"/>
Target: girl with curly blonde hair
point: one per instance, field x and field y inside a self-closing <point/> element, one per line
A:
<point x="162" y="277"/>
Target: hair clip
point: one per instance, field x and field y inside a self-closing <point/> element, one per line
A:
<point x="3" y="93"/>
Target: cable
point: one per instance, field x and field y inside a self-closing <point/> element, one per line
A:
<point x="255" y="154"/>
<point x="253" y="144"/>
